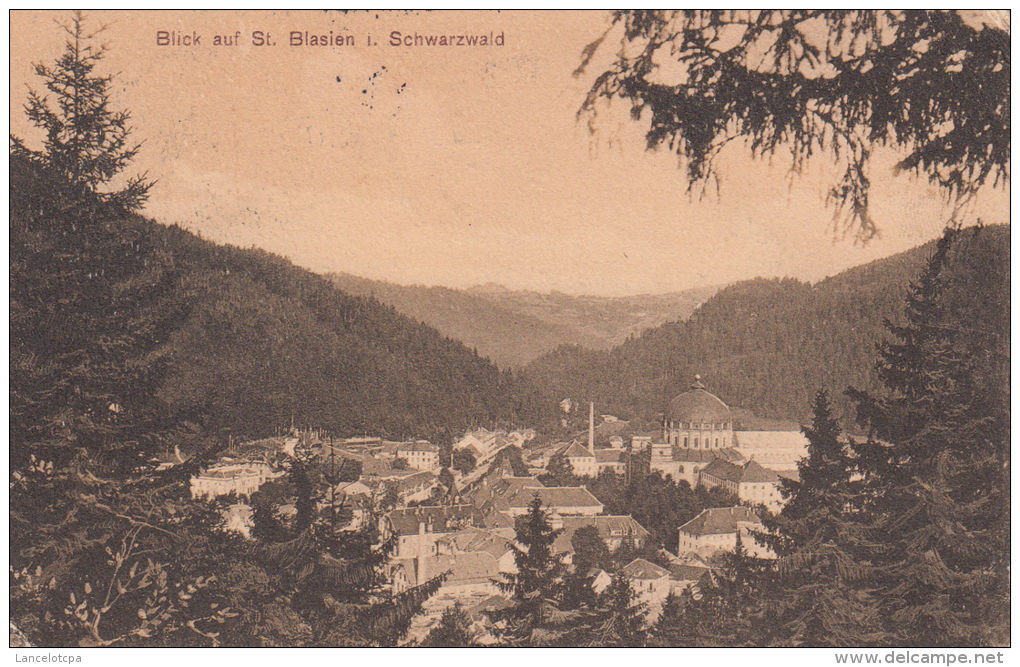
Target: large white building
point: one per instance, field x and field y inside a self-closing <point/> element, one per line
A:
<point x="750" y="482"/>
<point x="420" y="455"/>
<point x="242" y="478"/>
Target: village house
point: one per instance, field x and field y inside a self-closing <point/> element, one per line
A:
<point x="420" y="455"/>
<point x="418" y="528"/>
<point x="613" y="529"/>
<point x="485" y="444"/>
<point x="750" y="482"/>
<point x="492" y="492"/>
<point x="614" y="460"/>
<point x="582" y="461"/>
<point x="651" y="584"/>
<point x="716" y="529"/>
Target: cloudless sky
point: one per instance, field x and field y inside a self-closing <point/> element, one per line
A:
<point x="452" y="166"/>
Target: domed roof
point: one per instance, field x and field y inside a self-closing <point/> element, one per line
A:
<point x="697" y="405"/>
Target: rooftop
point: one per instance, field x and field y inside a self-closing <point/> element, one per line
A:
<point x="719" y="520"/>
<point x="443" y="518"/>
<point x="576" y="450"/>
<point x="608" y="527"/>
<point x="611" y="455"/>
<point x="750" y="473"/>
<point x="555" y="497"/>
<point x="418" y="447"/>
<point x="639" y="568"/>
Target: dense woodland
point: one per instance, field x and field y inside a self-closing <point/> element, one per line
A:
<point x="769" y="345"/>
<point x="243" y="339"/>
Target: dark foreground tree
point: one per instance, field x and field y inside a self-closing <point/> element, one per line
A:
<point x="616" y="619"/>
<point x="936" y="464"/>
<point x="933" y="85"/>
<point x="453" y="630"/>
<point x="86" y="143"/>
<point x="820" y="596"/>
<point x="536" y="589"/>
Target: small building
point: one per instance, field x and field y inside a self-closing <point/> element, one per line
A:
<point x="418" y="528"/>
<point x="612" y="460"/>
<point x="581" y="460"/>
<point x="649" y="582"/>
<point x="716" y="529"/>
<point x="613" y="529"/>
<point x="420" y="455"/>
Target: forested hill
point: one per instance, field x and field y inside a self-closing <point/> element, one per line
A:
<point x="769" y="345"/>
<point x="128" y="315"/>
<point x="514" y="327"/>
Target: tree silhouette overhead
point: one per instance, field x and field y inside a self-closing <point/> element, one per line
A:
<point x="930" y="84"/>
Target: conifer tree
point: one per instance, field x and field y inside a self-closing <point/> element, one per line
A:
<point x="819" y="595"/>
<point x="86" y="142"/>
<point x="618" y="618"/>
<point x="453" y="630"/>
<point x="728" y="611"/>
<point x="936" y="463"/>
<point x="668" y="628"/>
<point x="536" y="588"/>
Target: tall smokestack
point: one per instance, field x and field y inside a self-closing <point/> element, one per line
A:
<point x="591" y="427"/>
<point x="420" y="574"/>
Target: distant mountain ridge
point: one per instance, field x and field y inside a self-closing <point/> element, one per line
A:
<point x="514" y="327"/>
<point x="769" y="345"/>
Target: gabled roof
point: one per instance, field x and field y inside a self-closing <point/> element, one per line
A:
<point x="465" y="568"/>
<point x="555" y="497"/>
<point x="749" y="473"/>
<point x="753" y="473"/>
<point x="444" y="518"/>
<point x="719" y="520"/>
<point x="493" y="542"/>
<point x="576" y="450"/>
<point x="414" y="481"/>
<point x="639" y="568"/>
<point x="682" y="572"/>
<point x="496" y="491"/>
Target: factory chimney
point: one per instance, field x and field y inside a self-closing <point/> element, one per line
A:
<point x="591" y="427"/>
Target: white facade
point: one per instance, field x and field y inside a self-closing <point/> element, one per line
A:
<point x="241" y="479"/>
<point x="420" y="456"/>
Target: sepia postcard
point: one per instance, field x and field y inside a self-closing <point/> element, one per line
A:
<point x="680" y="329"/>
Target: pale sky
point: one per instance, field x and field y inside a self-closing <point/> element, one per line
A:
<point x="451" y="166"/>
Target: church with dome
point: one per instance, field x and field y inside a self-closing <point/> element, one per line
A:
<point x="697" y="419"/>
<point x="700" y="445"/>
